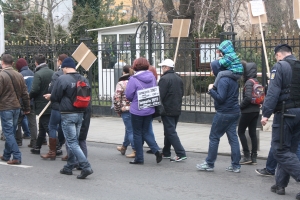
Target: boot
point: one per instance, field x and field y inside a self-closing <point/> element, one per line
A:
<point x="132" y="155"/>
<point x="52" y="151"/>
<point x="246" y="159"/>
<point x="36" y="149"/>
<point x="253" y="158"/>
<point x="122" y="149"/>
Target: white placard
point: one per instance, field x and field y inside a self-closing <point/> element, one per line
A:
<point x="298" y="22"/>
<point x="148" y="97"/>
<point x="257" y="8"/>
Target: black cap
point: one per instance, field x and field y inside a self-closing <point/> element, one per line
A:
<point x="278" y="47"/>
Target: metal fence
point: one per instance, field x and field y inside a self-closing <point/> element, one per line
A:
<point x="192" y="62"/>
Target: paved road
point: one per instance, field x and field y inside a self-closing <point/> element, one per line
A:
<point x="115" y="178"/>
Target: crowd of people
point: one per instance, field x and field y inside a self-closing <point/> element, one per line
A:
<point x="67" y="124"/>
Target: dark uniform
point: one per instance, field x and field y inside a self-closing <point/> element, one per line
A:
<point x="278" y="91"/>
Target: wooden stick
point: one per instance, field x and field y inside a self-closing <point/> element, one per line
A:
<point x="175" y="57"/>
<point x="42" y="112"/>
<point x="82" y="59"/>
<point x="264" y="47"/>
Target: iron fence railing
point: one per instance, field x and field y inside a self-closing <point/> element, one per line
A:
<point x="192" y="62"/>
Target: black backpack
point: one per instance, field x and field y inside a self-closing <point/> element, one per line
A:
<point x="295" y="83"/>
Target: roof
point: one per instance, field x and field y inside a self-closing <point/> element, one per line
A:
<point x="135" y="24"/>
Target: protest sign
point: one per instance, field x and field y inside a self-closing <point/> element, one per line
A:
<point x="148" y="97"/>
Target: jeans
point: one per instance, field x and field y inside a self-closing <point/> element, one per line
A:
<point x="171" y="137"/>
<point x="288" y="162"/>
<point x="140" y="125"/>
<point x="128" y="138"/>
<point x="71" y="124"/>
<point x="54" y="123"/>
<point x="224" y="123"/>
<point x="272" y="163"/>
<point x="9" y="121"/>
<point x="25" y="126"/>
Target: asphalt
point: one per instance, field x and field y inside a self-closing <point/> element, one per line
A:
<point x="194" y="137"/>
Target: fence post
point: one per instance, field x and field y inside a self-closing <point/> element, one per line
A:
<point x="150" y="37"/>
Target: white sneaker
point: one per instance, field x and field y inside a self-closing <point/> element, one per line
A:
<point x="231" y="169"/>
<point x="204" y="167"/>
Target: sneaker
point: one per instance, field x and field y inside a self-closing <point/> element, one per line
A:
<point x="246" y="160"/>
<point x="178" y="159"/>
<point x="278" y="190"/>
<point x="26" y="136"/>
<point x="231" y="169"/>
<point x="263" y="172"/>
<point x="204" y="167"/>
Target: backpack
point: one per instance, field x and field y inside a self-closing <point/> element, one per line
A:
<point x="258" y="93"/>
<point x="82" y="95"/>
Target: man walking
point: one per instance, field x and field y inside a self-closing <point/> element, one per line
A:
<point x="22" y="67"/>
<point x="225" y="121"/>
<point x="71" y="117"/>
<point x="12" y="90"/>
<point x="171" y="93"/>
<point x="283" y="100"/>
<point x="41" y="81"/>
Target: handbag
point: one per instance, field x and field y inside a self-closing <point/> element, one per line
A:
<point x="159" y="110"/>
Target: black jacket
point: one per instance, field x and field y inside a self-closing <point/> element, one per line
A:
<point x="64" y="91"/>
<point x="54" y="105"/>
<point x="250" y="72"/>
<point x="171" y="93"/>
<point x="281" y="76"/>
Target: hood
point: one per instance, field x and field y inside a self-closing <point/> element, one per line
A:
<point x="250" y="71"/>
<point x="124" y="77"/>
<point x="215" y="67"/>
<point x="226" y="47"/>
<point x="144" y="76"/>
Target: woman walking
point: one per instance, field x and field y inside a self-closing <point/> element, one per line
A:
<point x="122" y="106"/>
<point x="250" y="113"/>
<point x="141" y="118"/>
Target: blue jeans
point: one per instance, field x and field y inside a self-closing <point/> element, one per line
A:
<point x="71" y="124"/>
<point x="171" y="137"/>
<point x="54" y="123"/>
<point x="140" y="125"/>
<point x="224" y="123"/>
<point x="272" y="163"/>
<point x="128" y="138"/>
<point x="9" y="122"/>
<point x="25" y="126"/>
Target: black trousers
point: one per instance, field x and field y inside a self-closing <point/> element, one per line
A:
<point x="43" y="129"/>
<point x="248" y="120"/>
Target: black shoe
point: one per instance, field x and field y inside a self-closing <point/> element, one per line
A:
<point x="19" y="144"/>
<point x="298" y="196"/>
<point x="246" y="160"/>
<point x="26" y="137"/>
<point x="35" y="150"/>
<point x="59" y="152"/>
<point x="158" y="155"/>
<point x="84" y="174"/>
<point x="278" y="190"/>
<point x="135" y="162"/>
<point x="149" y="151"/>
<point x="66" y="172"/>
<point x="263" y="172"/>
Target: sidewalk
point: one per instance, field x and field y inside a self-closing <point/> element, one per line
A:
<point x="194" y="137"/>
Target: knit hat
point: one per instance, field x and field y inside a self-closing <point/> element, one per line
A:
<point x="215" y="67"/>
<point x="68" y="62"/>
<point x="21" y="63"/>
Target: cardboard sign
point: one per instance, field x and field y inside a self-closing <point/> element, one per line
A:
<point x="148" y="97"/>
<point x="255" y="20"/>
<point x="180" y="27"/>
<point x="296" y="9"/>
<point x="84" y="56"/>
<point x="257" y="8"/>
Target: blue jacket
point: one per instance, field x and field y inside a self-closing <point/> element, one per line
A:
<point x="28" y="77"/>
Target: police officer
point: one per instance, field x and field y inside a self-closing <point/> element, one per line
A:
<point x="279" y="94"/>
